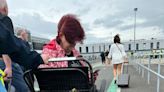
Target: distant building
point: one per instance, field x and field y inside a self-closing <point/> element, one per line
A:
<point x="142" y="46"/>
<point x="38" y="42"/>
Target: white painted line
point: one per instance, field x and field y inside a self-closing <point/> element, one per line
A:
<point x="118" y="89"/>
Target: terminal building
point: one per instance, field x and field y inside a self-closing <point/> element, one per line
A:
<point x="92" y="51"/>
<point x="37" y="43"/>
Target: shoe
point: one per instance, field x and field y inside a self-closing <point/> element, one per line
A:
<point x="115" y="81"/>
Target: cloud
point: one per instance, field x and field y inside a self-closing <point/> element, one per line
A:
<point x="157" y="21"/>
<point x="35" y="23"/>
<point x="108" y="22"/>
<point x="101" y="19"/>
<point x="86" y="27"/>
<point x="83" y="11"/>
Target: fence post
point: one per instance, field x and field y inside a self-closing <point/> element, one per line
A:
<point x="139" y="70"/>
<point x="143" y="68"/>
<point x="148" y="79"/>
<point x="158" y="78"/>
<point x="142" y="72"/>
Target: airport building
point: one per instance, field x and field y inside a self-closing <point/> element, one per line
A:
<point x="35" y="42"/>
<point x="92" y="51"/>
<point x="38" y="42"/>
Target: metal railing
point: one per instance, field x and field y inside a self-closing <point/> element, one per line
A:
<point x="141" y="67"/>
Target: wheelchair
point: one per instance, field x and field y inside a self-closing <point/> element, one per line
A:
<point x="64" y="79"/>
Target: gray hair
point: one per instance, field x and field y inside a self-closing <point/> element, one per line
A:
<point x="3" y="5"/>
<point x="18" y="31"/>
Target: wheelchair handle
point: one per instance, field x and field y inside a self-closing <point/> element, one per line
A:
<point x="74" y="58"/>
<point x="62" y="59"/>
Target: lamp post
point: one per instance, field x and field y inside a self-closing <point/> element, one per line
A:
<point x="135" y="11"/>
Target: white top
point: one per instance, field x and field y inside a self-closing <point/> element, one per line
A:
<point x="117" y="54"/>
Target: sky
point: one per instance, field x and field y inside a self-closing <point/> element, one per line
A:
<point x="101" y="19"/>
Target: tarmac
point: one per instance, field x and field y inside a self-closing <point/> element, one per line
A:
<point x="138" y="83"/>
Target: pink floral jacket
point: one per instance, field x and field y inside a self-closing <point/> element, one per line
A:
<point x="52" y="50"/>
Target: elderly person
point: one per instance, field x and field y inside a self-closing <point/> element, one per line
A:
<point x="4" y="58"/>
<point x="10" y="68"/>
<point x="23" y="34"/>
<point x="13" y="46"/>
<point x="17" y="75"/>
<point x="70" y="32"/>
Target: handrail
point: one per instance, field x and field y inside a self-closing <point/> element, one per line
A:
<point x="161" y="76"/>
<point x="62" y="59"/>
<point x="143" y="54"/>
<point x="148" y="67"/>
<point x="154" y="54"/>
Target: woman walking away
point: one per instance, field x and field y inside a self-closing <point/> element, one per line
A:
<point x="117" y="54"/>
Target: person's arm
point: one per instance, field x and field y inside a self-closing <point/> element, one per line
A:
<point x="45" y="58"/>
<point x="8" y="23"/>
<point x="8" y="44"/>
<point x="110" y="52"/>
<point x="125" y="55"/>
<point x="47" y="51"/>
<point x="8" y="69"/>
<point x="12" y="46"/>
<point x="46" y="54"/>
<point x="123" y="52"/>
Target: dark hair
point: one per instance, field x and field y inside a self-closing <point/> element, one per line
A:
<point x="70" y="26"/>
<point x="117" y="39"/>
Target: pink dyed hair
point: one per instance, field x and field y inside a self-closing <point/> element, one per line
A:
<point x="70" y="26"/>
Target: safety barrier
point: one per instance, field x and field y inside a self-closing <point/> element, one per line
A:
<point x="141" y="67"/>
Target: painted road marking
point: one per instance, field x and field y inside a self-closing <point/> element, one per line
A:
<point x="113" y="87"/>
<point x="118" y="89"/>
<point x="99" y="65"/>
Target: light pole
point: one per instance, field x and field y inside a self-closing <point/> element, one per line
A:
<point x="135" y="11"/>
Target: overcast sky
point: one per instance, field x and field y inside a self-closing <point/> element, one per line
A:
<point x="101" y="19"/>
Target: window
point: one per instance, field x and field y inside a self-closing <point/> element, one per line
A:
<point x="151" y="45"/>
<point x="99" y="48"/>
<point x="80" y="49"/>
<point x="129" y="46"/>
<point x="137" y="46"/>
<point x="144" y="46"/>
<point x="158" y="45"/>
<point x="86" y="49"/>
<point x="92" y="48"/>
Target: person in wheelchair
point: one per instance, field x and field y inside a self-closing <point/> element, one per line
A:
<point x="70" y="32"/>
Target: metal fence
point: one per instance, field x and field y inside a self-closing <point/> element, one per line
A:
<point x="140" y="63"/>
